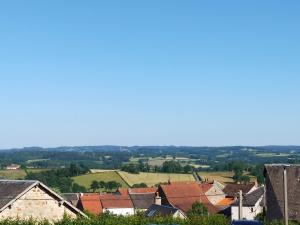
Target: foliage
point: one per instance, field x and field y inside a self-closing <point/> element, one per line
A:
<point x="108" y="219"/>
<point x="198" y="209"/>
<point x="140" y="185"/>
<point x="60" y="179"/>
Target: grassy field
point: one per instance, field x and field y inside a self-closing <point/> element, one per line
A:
<point x="86" y="180"/>
<point x="16" y="174"/>
<point x="154" y="178"/>
<point x="223" y="177"/>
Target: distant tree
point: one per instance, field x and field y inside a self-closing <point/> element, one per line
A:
<point x="140" y="185"/>
<point x="245" y="179"/>
<point x="110" y="185"/>
<point x="94" y="185"/>
<point x="78" y="188"/>
<point x="102" y="184"/>
<point x="171" y="167"/>
<point x="198" y="209"/>
<point x="187" y="169"/>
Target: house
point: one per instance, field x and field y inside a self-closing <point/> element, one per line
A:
<point x="232" y="190"/>
<point x="163" y="210"/>
<point x="182" y="195"/>
<point x="73" y="198"/>
<point x="13" y="167"/>
<point x="252" y="205"/>
<point x="213" y="191"/>
<point x="275" y="191"/>
<point x="97" y="203"/>
<point x="27" y="199"/>
<point x="142" y="202"/>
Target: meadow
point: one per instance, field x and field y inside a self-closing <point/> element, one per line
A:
<point x="154" y="178"/>
<point x="222" y="176"/>
<point x="16" y="174"/>
<point x="87" y="179"/>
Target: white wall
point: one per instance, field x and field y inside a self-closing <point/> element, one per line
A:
<point x="249" y="213"/>
<point x="120" y="211"/>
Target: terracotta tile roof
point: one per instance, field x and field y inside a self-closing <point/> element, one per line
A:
<point x="183" y="195"/>
<point x="109" y="201"/>
<point x="205" y="186"/>
<point x="225" y="202"/>
<point x="122" y="191"/>
<point x="95" y="203"/>
<point x="146" y="190"/>
<point x="126" y="191"/>
<point x="91" y="203"/>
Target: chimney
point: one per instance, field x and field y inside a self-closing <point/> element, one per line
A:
<point x="157" y="199"/>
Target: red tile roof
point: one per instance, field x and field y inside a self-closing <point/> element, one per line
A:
<point x="183" y="195"/>
<point x="225" y="202"/>
<point x="115" y="201"/>
<point x="95" y="203"/>
<point x="143" y="190"/>
<point x="205" y="186"/>
<point x="91" y="203"/>
<point x="126" y="191"/>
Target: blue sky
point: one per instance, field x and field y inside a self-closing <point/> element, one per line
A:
<point x="149" y="73"/>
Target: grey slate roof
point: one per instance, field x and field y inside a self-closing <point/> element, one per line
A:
<point x="251" y="198"/>
<point x="73" y="198"/>
<point x="160" y="210"/>
<point x="142" y="201"/>
<point x="11" y="189"/>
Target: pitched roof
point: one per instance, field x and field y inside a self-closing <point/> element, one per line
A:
<point x="205" y="186"/>
<point x="110" y="201"/>
<point x="225" y="202"/>
<point x="252" y="198"/>
<point x="231" y="190"/>
<point x="12" y="190"/>
<point x="143" y="190"/>
<point x="142" y="201"/>
<point x="183" y="195"/>
<point x="73" y="198"/>
<point x="96" y="202"/>
<point x="126" y="191"/>
<point x="91" y="203"/>
<point x="160" y="210"/>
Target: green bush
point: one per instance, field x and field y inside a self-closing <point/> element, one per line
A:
<point x="108" y="219"/>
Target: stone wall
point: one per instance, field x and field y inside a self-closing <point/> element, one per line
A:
<point x="37" y="204"/>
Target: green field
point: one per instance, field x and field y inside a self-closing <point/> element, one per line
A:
<point x="223" y="177"/>
<point x="154" y="178"/>
<point x="86" y="180"/>
<point x="16" y="174"/>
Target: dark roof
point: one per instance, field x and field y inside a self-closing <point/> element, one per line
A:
<point x="251" y="198"/>
<point x="160" y="210"/>
<point x="142" y="201"/>
<point x="73" y="198"/>
<point x="231" y="190"/>
<point x="274" y="191"/>
<point x="11" y="189"/>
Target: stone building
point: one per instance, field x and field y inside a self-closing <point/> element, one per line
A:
<point x="275" y="191"/>
<point x="31" y="199"/>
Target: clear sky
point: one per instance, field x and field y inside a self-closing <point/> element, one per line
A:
<point x="153" y="72"/>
